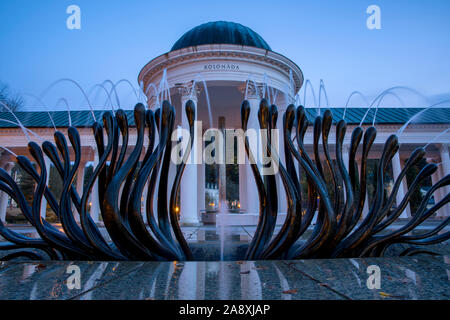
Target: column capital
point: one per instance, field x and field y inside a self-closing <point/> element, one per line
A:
<point x="443" y="147"/>
<point x="251" y="89"/>
<point x="445" y="158"/>
<point x="152" y="102"/>
<point x="189" y="90"/>
<point x="6" y="165"/>
<point x="83" y="164"/>
<point x="5" y="158"/>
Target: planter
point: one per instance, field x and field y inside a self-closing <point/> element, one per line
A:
<point x="208" y="217"/>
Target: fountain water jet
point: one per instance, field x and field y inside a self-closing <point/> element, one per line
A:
<point x="348" y="100"/>
<point x="9" y="151"/>
<point x="164" y="87"/>
<point x="251" y="79"/>
<point x="151" y="85"/>
<point x="436" y="137"/>
<point x="74" y="83"/>
<point x="312" y="91"/>
<point x="385" y="92"/>
<point x="45" y="106"/>
<point x="379" y="102"/>
<point x="17" y="119"/>
<point x="126" y="81"/>
<point x="30" y="131"/>
<point x="67" y="107"/>
<point x="108" y="95"/>
<point x="338" y="231"/>
<point x="208" y="103"/>
<point x="417" y="115"/>
<point x="322" y="86"/>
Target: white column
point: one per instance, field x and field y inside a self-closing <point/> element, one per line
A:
<point x="243" y="187"/>
<point x="187" y="285"/>
<point x="251" y="288"/>
<point x="189" y="209"/>
<point x="144" y="203"/>
<point x="200" y="277"/>
<point x="251" y="193"/>
<point x="44" y="201"/>
<point x="397" y="168"/>
<point x="4" y="196"/>
<point x="79" y="187"/>
<point x="366" y="207"/>
<point x="345" y="155"/>
<point x="145" y="190"/>
<point x="201" y="187"/>
<point x="445" y="164"/>
<point x="80" y="178"/>
<point x="437" y="194"/>
<point x="445" y="158"/>
<point x="282" y="204"/>
<point x="345" y="159"/>
<point x="95" y="202"/>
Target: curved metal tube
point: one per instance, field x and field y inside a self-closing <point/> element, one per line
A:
<point x="338" y="231"/>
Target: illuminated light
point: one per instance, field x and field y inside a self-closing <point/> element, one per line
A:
<point x="177" y="209"/>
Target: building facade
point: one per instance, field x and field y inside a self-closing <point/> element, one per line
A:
<point x="218" y="65"/>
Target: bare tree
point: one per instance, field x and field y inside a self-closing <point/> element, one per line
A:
<point x="14" y="102"/>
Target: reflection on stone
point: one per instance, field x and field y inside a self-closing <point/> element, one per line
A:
<point x="401" y="278"/>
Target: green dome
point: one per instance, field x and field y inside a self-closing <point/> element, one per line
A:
<point x="221" y="32"/>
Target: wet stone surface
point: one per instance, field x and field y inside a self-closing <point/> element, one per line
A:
<point x="421" y="277"/>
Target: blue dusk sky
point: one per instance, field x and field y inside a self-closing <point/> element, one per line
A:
<point x="328" y="40"/>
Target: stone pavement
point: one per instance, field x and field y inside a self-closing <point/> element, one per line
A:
<point x="419" y="277"/>
<point x="401" y="278"/>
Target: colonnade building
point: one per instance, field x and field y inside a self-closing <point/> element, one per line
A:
<point x="218" y="65"/>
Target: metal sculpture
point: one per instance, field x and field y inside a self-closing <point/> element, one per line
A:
<point x="121" y="185"/>
<point x="338" y="231"/>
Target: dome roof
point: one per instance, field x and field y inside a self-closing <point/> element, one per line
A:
<point x="221" y="32"/>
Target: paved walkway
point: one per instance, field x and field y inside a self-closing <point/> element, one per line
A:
<point x="206" y="241"/>
<point x="400" y="278"/>
<point x="237" y="233"/>
<point x="421" y="277"/>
